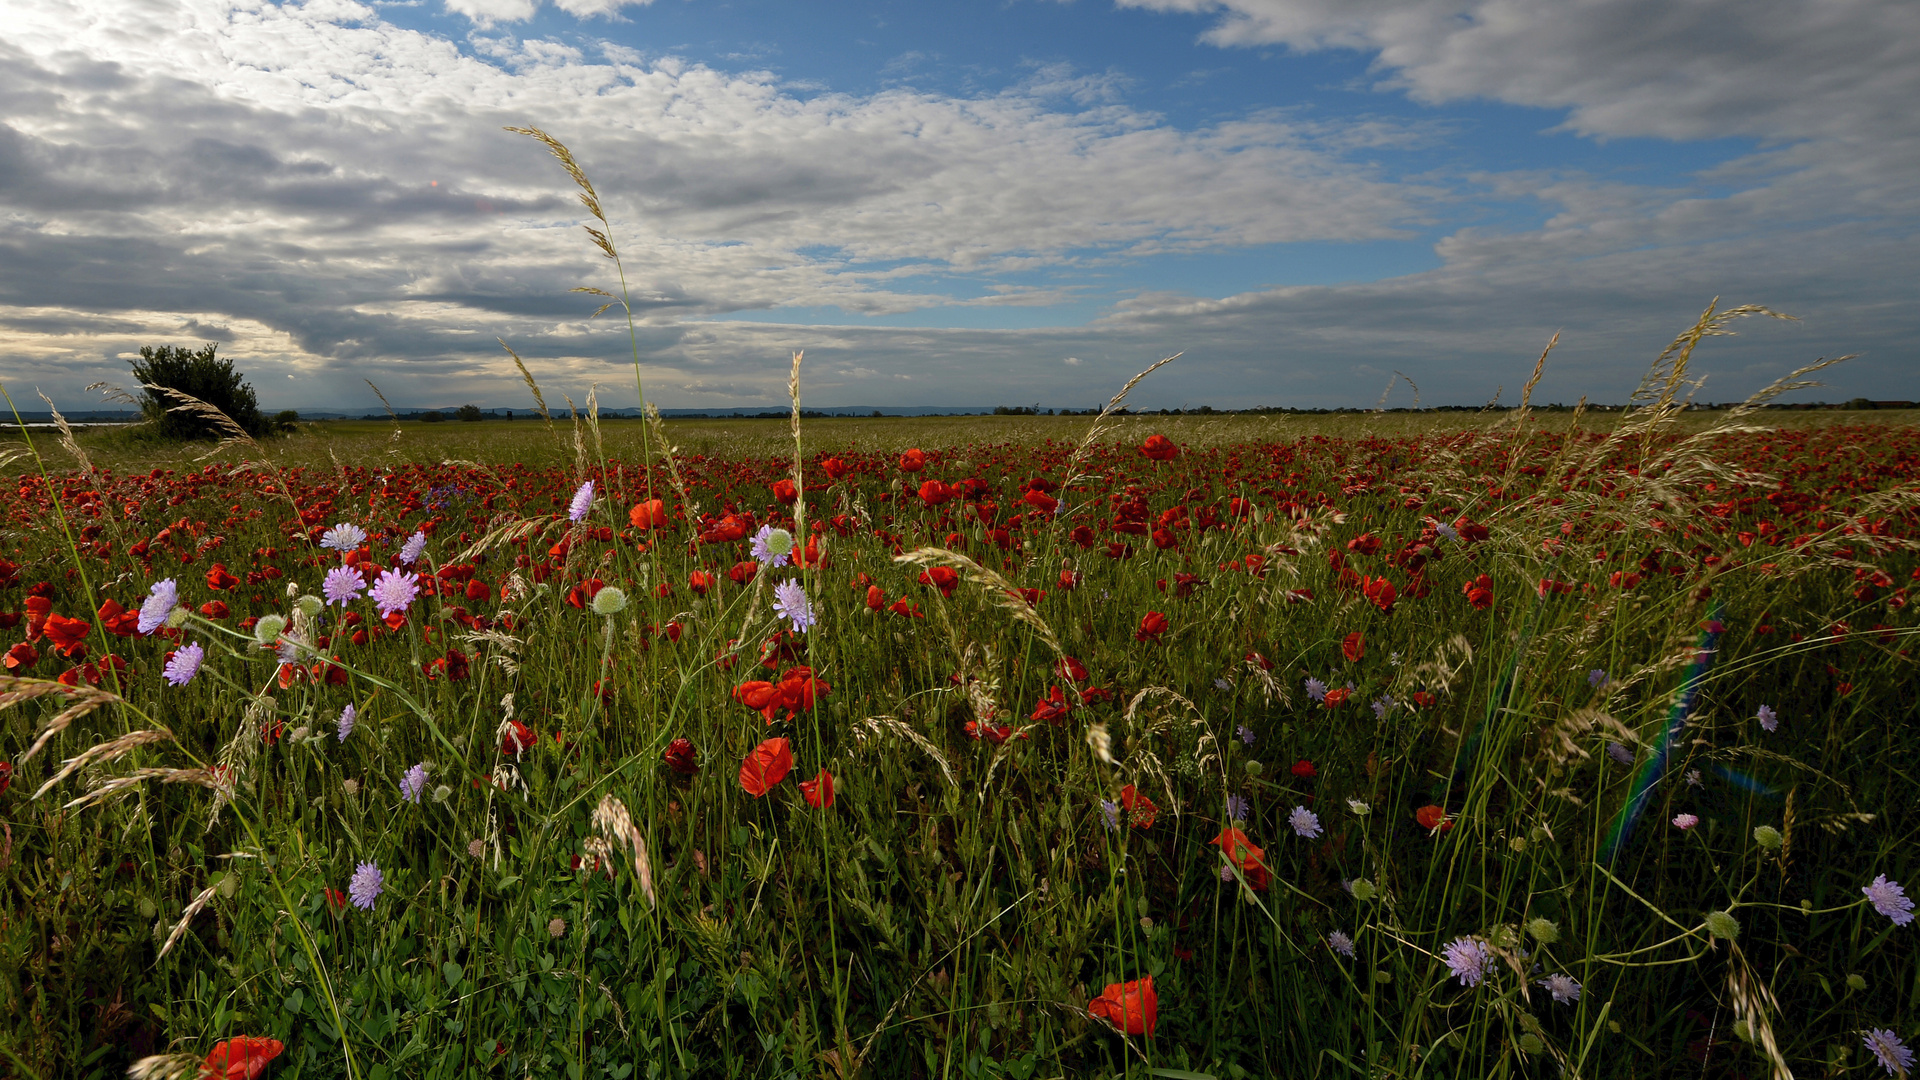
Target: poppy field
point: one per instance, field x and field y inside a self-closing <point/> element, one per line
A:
<point x="1130" y="747"/>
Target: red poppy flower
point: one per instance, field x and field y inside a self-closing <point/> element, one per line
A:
<point x="243" y="1058"/>
<point x="995" y="734"/>
<point x="1364" y="544"/>
<point x="212" y="609"/>
<point x="478" y="592"/>
<point x="1354" y="647"/>
<point x="1140" y="810"/>
<point x="681" y="757"/>
<point x="1433" y="817"/>
<point x="1131" y="1007"/>
<point x="933" y="493"/>
<point x="784" y="491"/>
<point x="699" y="582"/>
<point x="1337" y="698"/>
<point x="218" y="578"/>
<point x="68" y="635"/>
<point x="336" y="900"/>
<point x="1380" y="591"/>
<point x="1070" y="669"/>
<point x="6" y="776"/>
<point x="1052" y="709"/>
<point x="834" y="468"/>
<point x="1159" y="448"/>
<point x="21" y="657"/>
<point x="1479" y="592"/>
<point x="1304" y="769"/>
<point x="117" y="620"/>
<point x="1041" y="501"/>
<point x="942" y="578"/>
<point x="1152" y="626"/>
<point x="818" y="791"/>
<point x="876" y="598"/>
<point x="517" y="738"/>
<point x="1239" y="850"/>
<point x="766" y="766"/>
<point x="913" y="460"/>
<point x="1423" y="698"/>
<point x="908" y="610"/>
<point x="650" y="514"/>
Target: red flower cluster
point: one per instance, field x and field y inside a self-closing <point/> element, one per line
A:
<point x="794" y="693"/>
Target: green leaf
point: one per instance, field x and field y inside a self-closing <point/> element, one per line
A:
<point x="453" y="973"/>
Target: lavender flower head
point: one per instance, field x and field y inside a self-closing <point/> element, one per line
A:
<point x="343" y="537"/>
<point x="186" y="664"/>
<point x="394" y="591"/>
<point x="415" y="546"/>
<point x="1893" y="1054"/>
<point x="1564" y="988"/>
<point x="347" y="717"/>
<point x="1469" y="960"/>
<point x="1685" y="821"/>
<point x="160" y="601"/>
<point x="1447" y="531"/>
<point x="1382" y="706"/>
<point x="1619" y="753"/>
<point x="1316" y="689"/>
<point x="1306" y="824"/>
<point x="1236" y="808"/>
<point x="413" y="783"/>
<point x="1889" y="899"/>
<point x="1245" y="733"/>
<point x="771" y="546"/>
<point x="1111" y="811"/>
<point x="1769" y="720"/>
<point x="790" y="603"/>
<point x="365" y="886"/>
<point x="582" y="502"/>
<point x="342" y="584"/>
<point x="1339" y="942"/>
<point x="1598" y="679"/>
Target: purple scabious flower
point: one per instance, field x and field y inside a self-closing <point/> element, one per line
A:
<point x="1339" y="942"/>
<point x="1316" y="689"/>
<point x="347" y="717"/>
<point x="1889" y="899"/>
<point x="1245" y="733"/>
<point x="365" y="886"/>
<point x="1892" y="1054"/>
<point x="415" y="546"/>
<point x="394" y="591"/>
<point x="342" y="583"/>
<point x="186" y="661"/>
<point x="1382" y="706"/>
<point x="1447" y="531"/>
<point x="1598" y="679"/>
<point x="343" y="537"/>
<point x="790" y="603"/>
<point x="413" y="783"/>
<point x="771" y="546"/>
<point x="161" y="599"/>
<point x="1469" y="960"/>
<point x="1619" y="753"/>
<point x="582" y="502"/>
<point x="1111" y="811"/>
<point x="1564" y="988"/>
<point x="1236" y="808"/>
<point x="1306" y="824"/>
<point x="1769" y="720"/>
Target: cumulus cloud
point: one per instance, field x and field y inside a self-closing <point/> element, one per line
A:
<point x="330" y="195"/>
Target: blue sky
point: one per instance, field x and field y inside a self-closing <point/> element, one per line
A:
<point x="965" y="202"/>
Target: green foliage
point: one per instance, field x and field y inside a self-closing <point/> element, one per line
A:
<point x="205" y="376"/>
<point x="468" y="413"/>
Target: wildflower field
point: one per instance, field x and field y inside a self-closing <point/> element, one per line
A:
<point x="1528" y="745"/>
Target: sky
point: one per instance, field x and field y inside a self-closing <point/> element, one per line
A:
<point x="1318" y="203"/>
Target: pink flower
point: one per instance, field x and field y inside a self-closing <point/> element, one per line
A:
<point x="1685" y="821"/>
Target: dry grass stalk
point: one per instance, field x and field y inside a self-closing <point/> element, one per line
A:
<point x="391" y="415"/>
<point x="799" y="481"/>
<point x="1003" y="593"/>
<point x="668" y="450"/>
<point x="85" y="700"/>
<point x="67" y="441"/>
<point x="104" y="752"/>
<point x="539" y="400"/>
<point x="512" y="533"/>
<point x="589" y="198"/>
<point x="888" y="725"/>
<point x="204" y="777"/>
<point x="1752" y="1002"/>
<point x="615" y="825"/>
<point x="166" y="1067"/>
<point x="186" y="919"/>
<point x="1101" y="425"/>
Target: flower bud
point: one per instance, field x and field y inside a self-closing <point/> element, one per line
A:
<point x="1722" y="924"/>
<point x="1362" y="889"/>
<point x="609" y="601"/>
<point x="268" y="629"/>
<point x="1544" y="931"/>
<point x="1767" y="837"/>
<point x="310" y="605"/>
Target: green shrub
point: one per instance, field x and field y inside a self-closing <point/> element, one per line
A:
<point x="202" y="375"/>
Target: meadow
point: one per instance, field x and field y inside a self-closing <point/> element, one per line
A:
<point x="1394" y="745"/>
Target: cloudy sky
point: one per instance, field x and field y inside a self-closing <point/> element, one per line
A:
<point x="967" y="202"/>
